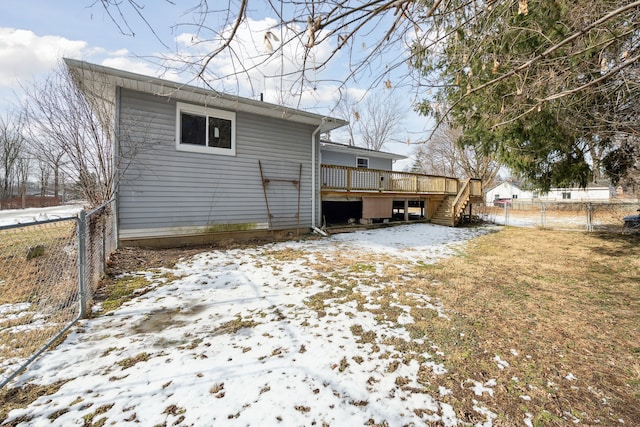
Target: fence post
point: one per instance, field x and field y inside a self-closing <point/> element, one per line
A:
<point x="104" y="241"/>
<point x="543" y="215"/>
<point x="82" y="259"/>
<point x="589" y="216"/>
<point x="506" y="213"/>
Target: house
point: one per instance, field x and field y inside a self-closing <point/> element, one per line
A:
<point x="196" y="165"/>
<point x="509" y="191"/>
<point x="196" y="162"/>
<point x="506" y="191"/>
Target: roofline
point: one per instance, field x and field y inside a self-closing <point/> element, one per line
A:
<point x="343" y="148"/>
<point x="232" y="102"/>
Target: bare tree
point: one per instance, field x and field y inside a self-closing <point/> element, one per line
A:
<point x="373" y="121"/>
<point x="380" y="121"/>
<point x="443" y="155"/>
<point x="11" y="147"/>
<point x="44" y="175"/>
<point x="347" y="109"/>
<point x="66" y="126"/>
<point x="51" y="159"/>
<point x="376" y="37"/>
<point x="22" y="174"/>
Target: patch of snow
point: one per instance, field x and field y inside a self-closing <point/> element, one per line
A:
<point x="501" y="363"/>
<point x="490" y="416"/>
<point x="443" y="391"/>
<point x="233" y="342"/>
<point x="405" y="319"/>
<point x="528" y="420"/>
<point x="29" y="215"/>
<point x="570" y="377"/>
<point x="479" y="389"/>
<point x="449" y="418"/>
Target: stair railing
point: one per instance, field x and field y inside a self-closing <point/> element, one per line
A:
<point x="460" y="202"/>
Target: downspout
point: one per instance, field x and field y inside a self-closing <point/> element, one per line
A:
<point x="116" y="165"/>
<point x="313" y="173"/>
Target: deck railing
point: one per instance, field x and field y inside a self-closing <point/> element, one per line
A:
<point x="345" y="178"/>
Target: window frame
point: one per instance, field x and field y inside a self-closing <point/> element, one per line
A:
<point x="207" y="113"/>
<point x="362" y="158"/>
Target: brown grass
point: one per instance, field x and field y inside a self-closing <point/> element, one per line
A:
<point x="567" y="303"/>
<point x="38" y="267"/>
<point x="553" y="305"/>
<point x="31" y="256"/>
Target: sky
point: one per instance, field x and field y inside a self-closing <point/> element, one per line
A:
<point x="239" y="345"/>
<point x="36" y="34"/>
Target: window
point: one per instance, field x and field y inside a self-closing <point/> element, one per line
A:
<point x="496" y="196"/>
<point x="205" y="130"/>
<point x="566" y="195"/>
<point x="362" y="162"/>
<point x="514" y="196"/>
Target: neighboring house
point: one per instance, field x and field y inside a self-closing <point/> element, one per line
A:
<point x="506" y="190"/>
<point x="509" y="191"/>
<point x="198" y="163"/>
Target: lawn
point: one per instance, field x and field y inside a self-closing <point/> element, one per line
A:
<point x="412" y="324"/>
<point x="38" y="288"/>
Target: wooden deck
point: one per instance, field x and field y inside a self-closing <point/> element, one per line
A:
<point x="448" y="196"/>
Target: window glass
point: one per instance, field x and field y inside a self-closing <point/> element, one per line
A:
<point x="205" y="130"/>
<point x="193" y="129"/>
<point x="362" y="162"/>
<point x="219" y="133"/>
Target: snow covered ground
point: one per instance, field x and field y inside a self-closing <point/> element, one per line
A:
<point x="235" y="341"/>
<point x="23" y="216"/>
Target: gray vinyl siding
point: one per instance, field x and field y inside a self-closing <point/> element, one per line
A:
<point x="163" y="187"/>
<point x="347" y="159"/>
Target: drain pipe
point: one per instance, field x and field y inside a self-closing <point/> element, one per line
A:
<point x="313" y="174"/>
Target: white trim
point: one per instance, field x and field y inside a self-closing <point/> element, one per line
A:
<point x="206" y="112"/>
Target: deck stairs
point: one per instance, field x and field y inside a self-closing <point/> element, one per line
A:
<point x="443" y="215"/>
<point x="451" y="209"/>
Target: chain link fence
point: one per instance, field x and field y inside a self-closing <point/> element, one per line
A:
<point x="49" y="271"/>
<point x="583" y="216"/>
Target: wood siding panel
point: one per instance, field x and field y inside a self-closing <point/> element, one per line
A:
<point x="163" y="187"/>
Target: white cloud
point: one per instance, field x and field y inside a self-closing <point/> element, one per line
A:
<point x="23" y="54"/>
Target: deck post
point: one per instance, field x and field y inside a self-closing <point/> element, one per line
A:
<point x="406" y="209"/>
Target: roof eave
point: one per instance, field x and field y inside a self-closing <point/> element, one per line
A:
<point x="181" y="91"/>
<point x="340" y="148"/>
